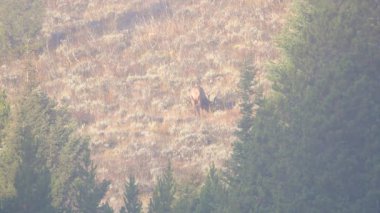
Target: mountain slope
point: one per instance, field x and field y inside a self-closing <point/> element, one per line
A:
<point x="124" y="70"/>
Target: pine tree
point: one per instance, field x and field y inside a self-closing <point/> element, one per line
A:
<point x="246" y="121"/>
<point x="4" y="111"/>
<point x="48" y="166"/>
<point x="312" y="145"/>
<point x="23" y="154"/>
<point x="132" y="204"/>
<point x="330" y="106"/>
<point x="163" y="194"/>
<point x="246" y="105"/>
<point x="212" y="197"/>
<point x="20" y="25"/>
<point x="251" y="97"/>
<point x="187" y="201"/>
<point x="309" y="146"/>
<point x="247" y="164"/>
<point x="6" y="183"/>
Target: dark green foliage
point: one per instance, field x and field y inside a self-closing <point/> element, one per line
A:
<point x="22" y="156"/>
<point x="246" y="105"/>
<point x="163" y="194"/>
<point x="132" y="204"/>
<point x="212" y="197"/>
<point x="4" y="118"/>
<point x="48" y="167"/>
<point x="313" y="147"/>
<point x="331" y="107"/>
<point x="249" y="148"/>
<point x="187" y="201"/>
<point x="104" y="209"/>
<point x="20" y="25"/>
<point x="246" y="121"/>
<point x="4" y="111"/>
<point x="73" y="184"/>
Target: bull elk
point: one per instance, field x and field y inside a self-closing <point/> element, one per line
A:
<point x="199" y="100"/>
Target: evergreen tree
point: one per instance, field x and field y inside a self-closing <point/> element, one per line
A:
<point x="312" y="146"/>
<point x="163" y="194"/>
<point x="187" y="201"/>
<point x="4" y="112"/>
<point x="246" y="106"/>
<point x="23" y="155"/>
<point x="132" y="204"/>
<point x="251" y="136"/>
<point x="6" y="188"/>
<point x="48" y="166"/>
<point x="20" y="25"/>
<point x="105" y="209"/>
<point x="246" y="110"/>
<point x="212" y="196"/>
<point x="330" y="106"/>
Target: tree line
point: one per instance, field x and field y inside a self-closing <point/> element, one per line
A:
<point x="20" y="27"/>
<point x="310" y="144"/>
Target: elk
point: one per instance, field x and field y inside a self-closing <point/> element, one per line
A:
<point x="199" y="100"/>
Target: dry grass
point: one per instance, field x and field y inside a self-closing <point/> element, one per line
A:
<point x="128" y="81"/>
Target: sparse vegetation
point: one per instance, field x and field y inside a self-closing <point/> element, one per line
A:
<point x="127" y="83"/>
<point x="303" y="137"/>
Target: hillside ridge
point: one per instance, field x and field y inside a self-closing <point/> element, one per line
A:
<point x="124" y="70"/>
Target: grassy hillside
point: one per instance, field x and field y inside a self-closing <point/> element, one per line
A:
<point x="124" y="69"/>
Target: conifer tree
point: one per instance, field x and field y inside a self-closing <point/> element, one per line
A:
<point x="328" y="89"/>
<point x="6" y="183"/>
<point x="132" y="204"/>
<point x="163" y="194"/>
<point x="243" y="174"/>
<point x="48" y="165"/>
<point x="312" y="144"/>
<point x="4" y="111"/>
<point x="20" y="25"/>
<point x="212" y="196"/>
<point x="246" y="109"/>
<point x="187" y="201"/>
<point x="24" y="152"/>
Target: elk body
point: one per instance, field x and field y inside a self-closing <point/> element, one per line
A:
<point x="199" y="100"/>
